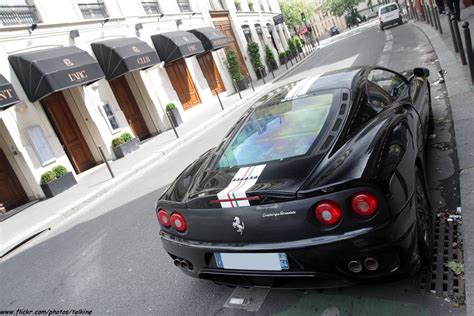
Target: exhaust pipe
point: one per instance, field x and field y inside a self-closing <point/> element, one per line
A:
<point x="371" y="264"/>
<point x="177" y="262"/>
<point x="184" y="265"/>
<point x="354" y="266"/>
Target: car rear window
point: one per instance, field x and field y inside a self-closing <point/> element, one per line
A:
<point x="279" y="131"/>
<point x="389" y="8"/>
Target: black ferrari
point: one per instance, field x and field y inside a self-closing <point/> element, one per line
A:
<point x="319" y="184"/>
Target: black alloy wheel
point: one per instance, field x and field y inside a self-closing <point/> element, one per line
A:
<point x="423" y="219"/>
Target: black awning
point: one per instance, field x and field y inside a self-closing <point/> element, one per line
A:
<point x="210" y="38"/>
<point x="119" y="56"/>
<point x="8" y="95"/>
<point x="175" y="45"/>
<point x="46" y="71"/>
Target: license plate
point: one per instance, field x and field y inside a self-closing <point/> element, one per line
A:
<point x="252" y="261"/>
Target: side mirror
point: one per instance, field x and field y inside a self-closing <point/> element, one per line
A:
<point x="421" y="72"/>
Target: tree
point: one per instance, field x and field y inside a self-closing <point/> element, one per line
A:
<point x="340" y="7"/>
<point x="292" y="9"/>
<point x="234" y="65"/>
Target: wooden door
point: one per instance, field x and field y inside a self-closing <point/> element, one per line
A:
<point x="183" y="83"/>
<point x="221" y="22"/>
<point x="11" y="191"/>
<point x="68" y="131"/>
<point x="212" y="75"/>
<point x="129" y="107"/>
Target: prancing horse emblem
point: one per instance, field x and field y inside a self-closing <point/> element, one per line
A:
<point x="240" y="226"/>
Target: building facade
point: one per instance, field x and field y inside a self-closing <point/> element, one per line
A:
<point x="324" y="22"/>
<point x="77" y="74"/>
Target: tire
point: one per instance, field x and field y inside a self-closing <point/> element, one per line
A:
<point x="423" y="219"/>
<point x="431" y="125"/>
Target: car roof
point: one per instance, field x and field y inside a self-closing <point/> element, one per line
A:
<point x="387" y="5"/>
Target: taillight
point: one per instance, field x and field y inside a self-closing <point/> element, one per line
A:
<point x="365" y="204"/>
<point x="328" y="212"/>
<point x="178" y="222"/>
<point x="163" y="218"/>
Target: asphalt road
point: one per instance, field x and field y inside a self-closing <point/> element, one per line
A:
<point x="109" y="259"/>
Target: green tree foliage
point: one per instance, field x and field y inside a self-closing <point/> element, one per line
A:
<point x="269" y="57"/>
<point x="340" y="7"/>
<point x="254" y="54"/>
<point x="291" y="10"/>
<point x="234" y="65"/>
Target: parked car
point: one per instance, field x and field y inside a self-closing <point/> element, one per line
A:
<point x="389" y="14"/>
<point x="320" y="183"/>
<point x="333" y="31"/>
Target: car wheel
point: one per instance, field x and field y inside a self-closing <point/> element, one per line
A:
<point x="431" y="125"/>
<point x="423" y="219"/>
<point x="400" y="22"/>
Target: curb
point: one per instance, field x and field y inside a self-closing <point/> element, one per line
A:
<point x="139" y="168"/>
<point x="460" y="94"/>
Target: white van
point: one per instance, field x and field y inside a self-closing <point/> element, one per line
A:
<point x="389" y="14"/>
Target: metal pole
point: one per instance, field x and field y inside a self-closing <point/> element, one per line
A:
<point x="286" y="62"/>
<point x="236" y="87"/>
<point x="261" y="75"/>
<point x="172" y="125"/>
<point x="291" y="60"/>
<point x="469" y="49"/>
<point x="271" y="69"/>
<point x="434" y="17"/>
<point x="219" y="98"/>
<point x="458" y="40"/>
<point x="106" y="162"/>
<point x="430" y="18"/>
<point x="453" y="37"/>
<point x="251" y="82"/>
<point x="440" y="28"/>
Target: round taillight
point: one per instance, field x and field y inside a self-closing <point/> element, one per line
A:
<point x="365" y="204"/>
<point x="328" y="212"/>
<point x="178" y="222"/>
<point x="164" y="218"/>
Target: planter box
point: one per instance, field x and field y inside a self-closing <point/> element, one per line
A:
<point x="59" y="185"/>
<point x="273" y="65"/>
<point x="175" y="117"/>
<point x="283" y="60"/>
<point x="300" y="49"/>
<point x="259" y="73"/>
<point x="127" y="148"/>
<point x="242" y="84"/>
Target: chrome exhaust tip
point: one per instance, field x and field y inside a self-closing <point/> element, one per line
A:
<point x="371" y="264"/>
<point x="354" y="266"/>
<point x="177" y="262"/>
<point x="184" y="265"/>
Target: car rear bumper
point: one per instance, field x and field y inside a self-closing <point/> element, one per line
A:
<point x="391" y="22"/>
<point x="316" y="263"/>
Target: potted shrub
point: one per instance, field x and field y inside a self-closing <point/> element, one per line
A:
<point x="56" y="181"/>
<point x="291" y="47"/>
<point x="255" y="59"/>
<point x="124" y="145"/>
<point x="234" y="69"/>
<point x="298" y="44"/>
<point x="283" y="58"/>
<point x="174" y="114"/>
<point x="270" y="58"/>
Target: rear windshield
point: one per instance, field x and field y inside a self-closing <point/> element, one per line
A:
<point x="278" y="131"/>
<point x="389" y="8"/>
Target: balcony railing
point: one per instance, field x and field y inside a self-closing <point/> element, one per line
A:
<point x="92" y="10"/>
<point x="151" y="7"/>
<point x="18" y="14"/>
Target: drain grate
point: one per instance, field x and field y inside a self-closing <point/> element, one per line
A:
<point x="438" y="278"/>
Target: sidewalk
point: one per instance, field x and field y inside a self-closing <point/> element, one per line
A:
<point x="461" y="98"/>
<point x="94" y="183"/>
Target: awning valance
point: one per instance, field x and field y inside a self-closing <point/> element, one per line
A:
<point x="172" y="46"/>
<point x="211" y="38"/>
<point x="8" y="95"/>
<point x="46" y="71"/>
<point x="119" y="56"/>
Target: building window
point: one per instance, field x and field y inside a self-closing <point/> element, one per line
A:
<point x="251" y="8"/>
<point x="110" y="118"/>
<point x="269" y="6"/>
<point x="262" y="8"/>
<point x="184" y="5"/>
<point x="258" y="28"/>
<point x="92" y="10"/>
<point x="238" y="7"/>
<point x="17" y="12"/>
<point x="151" y="7"/>
<point x="216" y="5"/>
<point x="247" y="34"/>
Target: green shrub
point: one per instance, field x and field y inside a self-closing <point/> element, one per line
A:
<point x="117" y="141"/>
<point x="297" y="42"/>
<point x="254" y="54"/>
<point x="59" y="171"/>
<point x="48" y="177"/>
<point x="126" y="137"/>
<point x="170" y="107"/>
<point x="282" y="54"/>
<point x="269" y="57"/>
<point x="291" y="45"/>
<point x="234" y="65"/>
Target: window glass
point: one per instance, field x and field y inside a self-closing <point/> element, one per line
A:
<point x="391" y="82"/>
<point x="279" y="131"/>
<point x="151" y="7"/>
<point x="389" y="8"/>
<point x="184" y="5"/>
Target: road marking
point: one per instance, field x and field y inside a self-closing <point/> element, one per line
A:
<point x="384" y="59"/>
<point x="250" y="299"/>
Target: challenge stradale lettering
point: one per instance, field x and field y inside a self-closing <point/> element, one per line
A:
<point x="143" y="60"/>
<point x="6" y="94"/>
<point x="77" y="76"/>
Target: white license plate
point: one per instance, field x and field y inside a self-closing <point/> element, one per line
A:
<point x="252" y="261"/>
